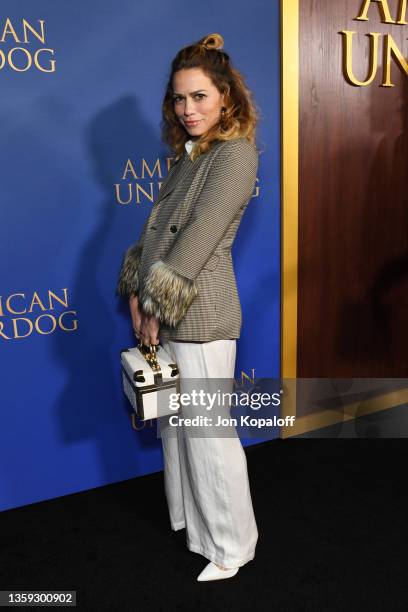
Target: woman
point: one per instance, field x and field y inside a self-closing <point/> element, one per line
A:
<point x="180" y="281"/>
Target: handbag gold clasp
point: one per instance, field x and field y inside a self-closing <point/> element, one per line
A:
<point x="150" y="354"/>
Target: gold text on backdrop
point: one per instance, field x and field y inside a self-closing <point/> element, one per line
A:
<point x="384" y="11"/>
<point x="390" y="47"/>
<point x="43" y="314"/>
<point x="21" y="58"/>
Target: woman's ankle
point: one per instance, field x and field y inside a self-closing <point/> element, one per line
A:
<point x="224" y="568"/>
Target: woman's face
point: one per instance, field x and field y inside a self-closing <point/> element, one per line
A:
<point x="197" y="102"/>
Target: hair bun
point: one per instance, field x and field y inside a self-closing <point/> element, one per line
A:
<point x="212" y="41"/>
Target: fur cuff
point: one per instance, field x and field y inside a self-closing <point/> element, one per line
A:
<point x="166" y="294"/>
<point x="128" y="281"/>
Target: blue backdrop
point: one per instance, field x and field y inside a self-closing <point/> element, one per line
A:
<point x="80" y="106"/>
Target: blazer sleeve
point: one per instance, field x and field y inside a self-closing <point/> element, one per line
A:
<point x="128" y="278"/>
<point x="170" y="285"/>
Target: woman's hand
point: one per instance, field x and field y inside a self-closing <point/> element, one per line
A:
<point x="149" y="329"/>
<point x="146" y="326"/>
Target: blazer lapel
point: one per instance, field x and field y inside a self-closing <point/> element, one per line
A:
<point x="169" y="181"/>
<point x="178" y="173"/>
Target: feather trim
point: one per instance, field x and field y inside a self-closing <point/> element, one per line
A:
<point x="128" y="281"/>
<point x="166" y="294"/>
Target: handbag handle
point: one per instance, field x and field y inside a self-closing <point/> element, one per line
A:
<point x="151" y="347"/>
<point x="151" y="356"/>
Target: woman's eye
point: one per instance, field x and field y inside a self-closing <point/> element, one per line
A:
<point x="199" y="96"/>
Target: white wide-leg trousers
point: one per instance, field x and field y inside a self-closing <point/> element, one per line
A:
<point x="206" y="478"/>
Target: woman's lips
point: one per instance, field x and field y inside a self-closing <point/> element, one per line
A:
<point x="192" y="123"/>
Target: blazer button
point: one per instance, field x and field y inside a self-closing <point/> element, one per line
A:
<point x="173" y="228"/>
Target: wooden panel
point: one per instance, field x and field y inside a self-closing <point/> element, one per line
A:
<point x="353" y="202"/>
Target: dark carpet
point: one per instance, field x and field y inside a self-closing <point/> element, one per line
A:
<point x="332" y="521"/>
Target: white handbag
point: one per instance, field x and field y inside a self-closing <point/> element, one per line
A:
<point x="150" y="378"/>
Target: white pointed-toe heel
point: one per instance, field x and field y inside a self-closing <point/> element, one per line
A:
<point x="213" y="572"/>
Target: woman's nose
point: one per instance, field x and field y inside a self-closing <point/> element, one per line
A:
<point x="188" y="108"/>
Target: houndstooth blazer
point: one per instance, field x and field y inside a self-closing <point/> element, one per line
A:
<point x="181" y="267"/>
